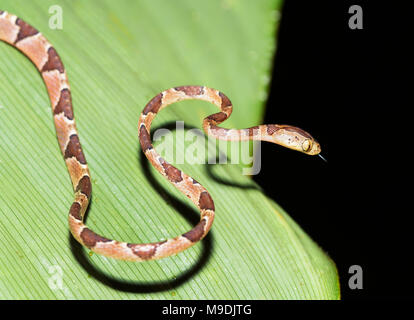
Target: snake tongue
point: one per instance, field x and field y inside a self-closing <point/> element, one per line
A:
<point x="322" y="158"/>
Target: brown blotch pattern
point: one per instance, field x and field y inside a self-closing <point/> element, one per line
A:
<point x="144" y="139"/>
<point x="206" y="202"/>
<point x="53" y="61"/>
<point x="218" y="131"/>
<point x="253" y="131"/>
<point x="191" y="90"/>
<point x="90" y="238"/>
<point x="65" y="104"/>
<point x="75" y="211"/>
<point x="154" y="105"/>
<point x="145" y="254"/>
<point x="73" y="149"/>
<point x="173" y="174"/>
<point x="197" y="232"/>
<point x="225" y="102"/>
<point x="25" y="31"/>
<point x="84" y="186"/>
<point x="272" y="128"/>
<point x="218" y="117"/>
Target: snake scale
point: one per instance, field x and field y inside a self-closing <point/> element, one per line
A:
<point x="34" y="45"/>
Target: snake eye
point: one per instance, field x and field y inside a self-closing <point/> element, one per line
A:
<point x="306" y="145"/>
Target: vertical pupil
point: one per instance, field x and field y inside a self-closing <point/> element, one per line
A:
<point x="306" y="145"/>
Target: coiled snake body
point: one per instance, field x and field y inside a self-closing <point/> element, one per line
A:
<point x="34" y="45"/>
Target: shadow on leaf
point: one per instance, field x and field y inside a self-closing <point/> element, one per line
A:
<point x="188" y="212"/>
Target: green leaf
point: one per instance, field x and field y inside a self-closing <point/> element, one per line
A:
<point x="118" y="55"/>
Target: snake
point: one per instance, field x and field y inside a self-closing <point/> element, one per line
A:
<point x="43" y="55"/>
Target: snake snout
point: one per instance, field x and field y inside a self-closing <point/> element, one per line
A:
<point x="314" y="149"/>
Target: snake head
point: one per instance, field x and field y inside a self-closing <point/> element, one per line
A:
<point x="297" y="139"/>
<point x="310" y="146"/>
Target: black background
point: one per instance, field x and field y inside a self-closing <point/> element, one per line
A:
<point x="334" y="83"/>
